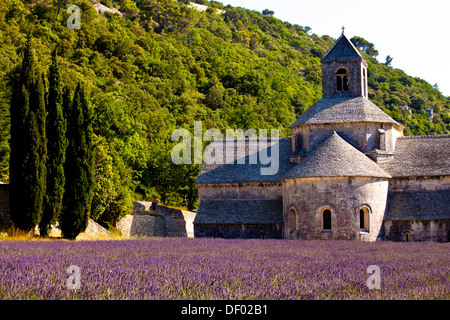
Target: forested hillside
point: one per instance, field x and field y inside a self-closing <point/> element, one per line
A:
<point x="162" y="65"/>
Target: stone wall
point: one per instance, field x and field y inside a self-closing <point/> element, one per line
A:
<point x="178" y="223"/>
<point x="355" y="78"/>
<point x="344" y="197"/>
<point x="251" y="191"/>
<point x="364" y="136"/>
<point x="239" y="231"/>
<point x="419" y="184"/>
<point x="419" y="230"/>
<point x="141" y="226"/>
<point x="153" y="220"/>
<point x="422" y="228"/>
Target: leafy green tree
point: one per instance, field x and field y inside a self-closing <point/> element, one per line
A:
<point x="111" y="201"/>
<point x="79" y="170"/>
<point x="56" y="150"/>
<point x="365" y="46"/>
<point x="28" y="144"/>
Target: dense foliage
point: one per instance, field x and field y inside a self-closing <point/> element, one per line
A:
<point x="163" y="65"/>
<point x="217" y="269"/>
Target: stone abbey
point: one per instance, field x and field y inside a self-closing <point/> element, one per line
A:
<point x="347" y="173"/>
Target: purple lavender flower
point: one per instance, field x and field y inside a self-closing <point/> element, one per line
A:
<point x="214" y="269"/>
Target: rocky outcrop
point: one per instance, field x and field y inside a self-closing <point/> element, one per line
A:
<point x="153" y="220"/>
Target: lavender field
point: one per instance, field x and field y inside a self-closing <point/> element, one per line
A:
<point x="222" y="269"/>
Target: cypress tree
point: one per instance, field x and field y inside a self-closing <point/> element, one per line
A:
<point x="28" y="144"/>
<point x="56" y="150"/>
<point x="79" y="169"/>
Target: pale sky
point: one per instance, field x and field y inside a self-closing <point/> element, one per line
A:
<point x="416" y="33"/>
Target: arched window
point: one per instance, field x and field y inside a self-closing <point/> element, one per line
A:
<point x="292" y="221"/>
<point x="364" y="219"/>
<point x="407" y="235"/>
<point x="342" y="80"/>
<point x="326" y="219"/>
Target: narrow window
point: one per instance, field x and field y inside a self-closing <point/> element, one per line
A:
<point x="298" y="142"/>
<point x="408" y="236"/>
<point x="262" y="236"/>
<point x="293" y="221"/>
<point x="339" y="83"/>
<point x="327" y="219"/>
<point x="361" y="219"/>
<point x="382" y="142"/>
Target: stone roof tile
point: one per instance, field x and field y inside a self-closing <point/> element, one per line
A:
<point x="342" y="110"/>
<point x="418" y="205"/>
<point x="335" y="157"/>
<point x="420" y="156"/>
<point x="232" y="172"/>
<point x="342" y="50"/>
<point x="239" y="211"/>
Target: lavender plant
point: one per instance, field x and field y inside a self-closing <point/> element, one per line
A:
<point x="175" y="269"/>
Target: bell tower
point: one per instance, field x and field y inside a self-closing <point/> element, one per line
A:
<point x="344" y="70"/>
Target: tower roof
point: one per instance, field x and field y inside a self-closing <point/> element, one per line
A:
<point x="335" y="157"/>
<point x="341" y="110"/>
<point x="342" y="50"/>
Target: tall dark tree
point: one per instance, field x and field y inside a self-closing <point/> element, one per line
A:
<point x="28" y="144"/>
<point x="56" y="149"/>
<point x="79" y="169"/>
<point x="388" y="60"/>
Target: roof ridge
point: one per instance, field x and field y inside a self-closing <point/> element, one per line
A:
<point x="430" y="136"/>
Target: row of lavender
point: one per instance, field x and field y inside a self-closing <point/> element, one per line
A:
<point x="222" y="269"/>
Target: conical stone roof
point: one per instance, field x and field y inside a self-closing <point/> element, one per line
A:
<point x="341" y="110"/>
<point x="336" y="158"/>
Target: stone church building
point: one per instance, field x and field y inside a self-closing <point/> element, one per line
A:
<point x="347" y="173"/>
